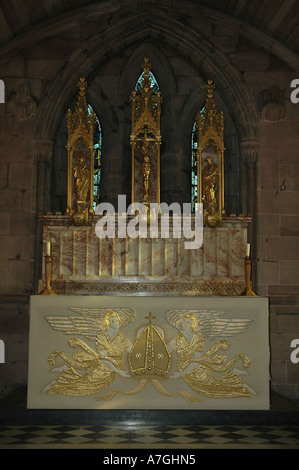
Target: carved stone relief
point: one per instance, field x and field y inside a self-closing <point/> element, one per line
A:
<point x="21" y="104"/>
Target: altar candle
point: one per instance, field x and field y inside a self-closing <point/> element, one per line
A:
<point x="248" y="250"/>
<point x="48" y="248"/>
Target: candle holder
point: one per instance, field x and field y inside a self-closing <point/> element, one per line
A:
<point x="48" y="276"/>
<point x="248" y="270"/>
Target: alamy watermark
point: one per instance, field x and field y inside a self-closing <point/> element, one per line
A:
<point x="295" y="93"/>
<point x="150" y="221"/>
<point x="2" y="352"/>
<point x="2" y="91"/>
<point x="295" y="342"/>
<point x="295" y="354"/>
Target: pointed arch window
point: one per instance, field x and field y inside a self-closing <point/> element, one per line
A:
<point x="97" y="159"/>
<point x="153" y="81"/>
<point x="193" y="168"/>
<point x="194" y="146"/>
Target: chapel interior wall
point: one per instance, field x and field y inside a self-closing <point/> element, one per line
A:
<point x="23" y="167"/>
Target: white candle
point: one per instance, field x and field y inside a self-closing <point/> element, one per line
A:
<point x="48" y="248"/>
<point x="248" y="250"/>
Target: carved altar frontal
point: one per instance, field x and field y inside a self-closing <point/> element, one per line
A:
<point x="83" y="263"/>
<point x="153" y="352"/>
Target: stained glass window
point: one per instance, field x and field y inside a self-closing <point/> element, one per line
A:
<point x="194" y="145"/>
<point x="97" y="160"/>
<point x="193" y="168"/>
<point x="154" y="83"/>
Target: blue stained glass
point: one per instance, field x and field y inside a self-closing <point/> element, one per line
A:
<point x="97" y="159"/>
<point x="193" y="168"/>
<point x="154" y="83"/>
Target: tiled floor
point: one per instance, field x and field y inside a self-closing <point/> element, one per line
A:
<point x="134" y="437"/>
<point x="23" y="429"/>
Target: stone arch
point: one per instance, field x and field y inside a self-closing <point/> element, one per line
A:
<point x="153" y="33"/>
<point x="160" y="67"/>
<point x="49" y="26"/>
<point x="165" y="31"/>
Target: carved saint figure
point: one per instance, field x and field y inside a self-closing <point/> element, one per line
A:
<point x="101" y="365"/>
<point x="81" y="179"/>
<point x="209" y="184"/>
<point x="146" y="148"/>
<point x="146" y="166"/>
<point x="21" y="104"/>
<point x="197" y="367"/>
<point x="274" y="108"/>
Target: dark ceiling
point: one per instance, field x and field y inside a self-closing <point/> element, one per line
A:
<point x="278" y="18"/>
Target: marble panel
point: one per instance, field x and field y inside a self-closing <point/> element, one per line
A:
<point x="80" y="257"/>
<point x="210" y="252"/>
<point x="223" y="252"/>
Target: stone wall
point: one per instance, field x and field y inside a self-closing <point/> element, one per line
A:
<point x="277" y="235"/>
<point x="14" y="329"/>
<point x="186" y="48"/>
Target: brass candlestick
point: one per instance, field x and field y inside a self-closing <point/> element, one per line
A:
<point x="48" y="277"/>
<point x="248" y="270"/>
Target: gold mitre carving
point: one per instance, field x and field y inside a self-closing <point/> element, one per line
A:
<point x="150" y="355"/>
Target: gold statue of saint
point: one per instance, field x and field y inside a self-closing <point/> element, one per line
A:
<point x="80" y="148"/>
<point x="210" y="174"/>
<point x="210" y="169"/>
<point x="81" y="180"/>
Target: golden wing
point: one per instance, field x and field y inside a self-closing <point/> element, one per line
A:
<point x="211" y="323"/>
<point x="174" y="317"/>
<point x="87" y="322"/>
<point x="225" y="327"/>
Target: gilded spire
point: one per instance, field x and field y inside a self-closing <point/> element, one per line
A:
<point x="146" y="66"/>
<point x="81" y="121"/>
<point x="210" y="86"/>
<point x="209" y="120"/>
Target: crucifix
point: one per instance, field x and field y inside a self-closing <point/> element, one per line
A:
<point x="146" y="146"/>
<point x="150" y="317"/>
<point x="145" y="140"/>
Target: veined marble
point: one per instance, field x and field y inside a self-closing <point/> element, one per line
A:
<point x="84" y="262"/>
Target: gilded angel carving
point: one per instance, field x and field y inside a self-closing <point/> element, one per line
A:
<point x="102" y="362"/>
<point x="198" y="364"/>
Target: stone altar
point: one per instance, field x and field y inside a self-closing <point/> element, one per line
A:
<point x="83" y="263"/>
<point x="154" y="352"/>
